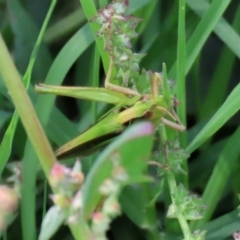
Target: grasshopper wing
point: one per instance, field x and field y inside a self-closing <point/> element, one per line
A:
<point x="103" y="131"/>
<point x="93" y="139"/>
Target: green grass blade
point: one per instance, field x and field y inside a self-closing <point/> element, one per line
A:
<point x="56" y="128"/>
<point x="202" y="32"/>
<point x="25" y="108"/>
<point x="222" y="170"/>
<point x="28" y="74"/>
<point x="57" y="122"/>
<point x="223" y="30"/>
<point x="26" y="33"/>
<point x="134" y="5"/>
<point x="220" y="78"/>
<point x="90" y="11"/>
<point x="6" y="144"/>
<point x="4" y="115"/>
<point x="95" y="82"/>
<point x="181" y="60"/>
<point x="223" y="227"/>
<point x="28" y="194"/>
<point x="65" y="26"/>
<point x="201" y="168"/>
<point x="227" y="110"/>
<point x="181" y="81"/>
<point x="146" y="14"/>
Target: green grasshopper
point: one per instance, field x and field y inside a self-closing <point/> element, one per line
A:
<point x="130" y="106"/>
<point x="144" y="103"/>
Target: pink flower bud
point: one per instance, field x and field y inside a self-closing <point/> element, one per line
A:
<point x="8" y="200"/>
<point x="57" y="174"/>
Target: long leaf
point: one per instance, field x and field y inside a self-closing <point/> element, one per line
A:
<point x="202" y="32"/>
<point x="225" y="112"/>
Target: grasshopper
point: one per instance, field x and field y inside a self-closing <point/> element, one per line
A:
<point x="142" y="101"/>
<point x="130" y="105"/>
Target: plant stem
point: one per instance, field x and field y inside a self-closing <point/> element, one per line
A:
<point x="173" y="186"/>
<point x="25" y="109"/>
<point x="182" y="221"/>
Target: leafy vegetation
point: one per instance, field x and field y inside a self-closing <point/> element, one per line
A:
<point x="198" y="41"/>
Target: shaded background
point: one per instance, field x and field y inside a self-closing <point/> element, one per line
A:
<point x="213" y="76"/>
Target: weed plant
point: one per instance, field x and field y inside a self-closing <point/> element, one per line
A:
<point x="54" y="42"/>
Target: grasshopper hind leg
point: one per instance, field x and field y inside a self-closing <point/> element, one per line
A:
<point x="175" y="125"/>
<point x="178" y="127"/>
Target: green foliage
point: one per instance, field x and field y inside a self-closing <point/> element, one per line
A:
<point x="191" y="207"/>
<point x="205" y="70"/>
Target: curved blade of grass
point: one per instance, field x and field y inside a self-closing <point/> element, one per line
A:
<point x="202" y="32"/>
<point x="3" y="117"/>
<point x="225" y="112"/>
<point x="223" y="227"/>
<point x="66" y="25"/>
<point x="155" y="40"/>
<point x="25" y="36"/>
<point x="223" y="30"/>
<point x="222" y="74"/>
<point x="56" y="128"/>
<point x="224" y="166"/>
<point x="201" y="167"/>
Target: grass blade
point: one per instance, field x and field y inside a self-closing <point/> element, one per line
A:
<point x="222" y="170"/>
<point x="202" y="32"/>
<point x="225" y="112"/>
